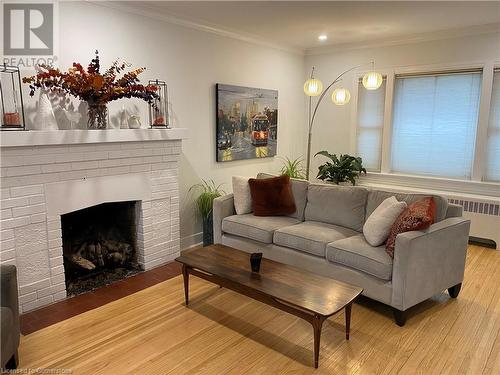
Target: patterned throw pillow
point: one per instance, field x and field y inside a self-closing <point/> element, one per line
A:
<point x="379" y="224"/>
<point x="419" y="215"/>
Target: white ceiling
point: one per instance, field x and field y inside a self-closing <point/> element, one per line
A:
<point x="297" y="24"/>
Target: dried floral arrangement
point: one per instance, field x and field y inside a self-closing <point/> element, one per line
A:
<point x="93" y="87"/>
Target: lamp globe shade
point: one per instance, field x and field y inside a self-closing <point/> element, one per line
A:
<point x="313" y="87"/>
<point x="372" y="80"/>
<point x="341" y="96"/>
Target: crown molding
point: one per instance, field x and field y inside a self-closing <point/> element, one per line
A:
<point x="196" y="25"/>
<point x="320" y="50"/>
<point x="491" y="28"/>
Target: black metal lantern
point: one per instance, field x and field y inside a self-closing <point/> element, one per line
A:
<point x="158" y="111"/>
<point x="11" y="98"/>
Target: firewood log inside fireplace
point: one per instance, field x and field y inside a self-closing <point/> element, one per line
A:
<point x="92" y="254"/>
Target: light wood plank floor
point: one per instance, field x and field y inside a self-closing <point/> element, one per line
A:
<point x="152" y="332"/>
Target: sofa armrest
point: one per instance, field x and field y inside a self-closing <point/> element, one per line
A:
<point x="9" y="296"/>
<point x="223" y="207"/>
<point x="428" y="262"/>
<point x="454" y="210"/>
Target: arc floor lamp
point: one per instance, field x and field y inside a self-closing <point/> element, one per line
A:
<point x="340" y="96"/>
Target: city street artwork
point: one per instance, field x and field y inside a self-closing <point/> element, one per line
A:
<point x="247" y="122"/>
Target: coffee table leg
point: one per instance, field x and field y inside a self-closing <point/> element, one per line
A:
<point x="185" y="276"/>
<point x="317" y="323"/>
<point x="347" y="320"/>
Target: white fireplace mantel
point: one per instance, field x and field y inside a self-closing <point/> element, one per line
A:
<point x="62" y="137"/>
<point x="46" y="174"/>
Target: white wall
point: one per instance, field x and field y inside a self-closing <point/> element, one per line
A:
<point x="192" y="62"/>
<point x="333" y="125"/>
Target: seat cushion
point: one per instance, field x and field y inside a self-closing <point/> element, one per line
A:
<point x="299" y="190"/>
<point x="337" y="205"/>
<point x="259" y="228"/>
<point x="355" y="252"/>
<point x="311" y="236"/>
<point x="375" y="197"/>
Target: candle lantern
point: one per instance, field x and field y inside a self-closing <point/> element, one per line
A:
<point x="11" y="98"/>
<point x="158" y="111"/>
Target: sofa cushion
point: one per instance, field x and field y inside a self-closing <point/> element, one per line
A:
<point x="272" y="196"/>
<point x="378" y="225"/>
<point x="355" y="252"/>
<point x="417" y="216"/>
<point x="375" y="197"/>
<point x="242" y="196"/>
<point x="311" y="236"/>
<point x="299" y="191"/>
<point x="338" y="205"/>
<point x="259" y="228"/>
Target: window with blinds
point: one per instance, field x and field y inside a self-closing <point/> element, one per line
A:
<point x="370" y="124"/>
<point x="492" y="172"/>
<point x="434" y="126"/>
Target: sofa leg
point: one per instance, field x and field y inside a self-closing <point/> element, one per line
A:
<point x="399" y="317"/>
<point x="13" y="362"/>
<point x="454" y="290"/>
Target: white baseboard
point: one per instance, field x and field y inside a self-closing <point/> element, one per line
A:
<point x="192" y="240"/>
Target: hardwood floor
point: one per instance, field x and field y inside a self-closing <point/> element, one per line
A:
<point x="152" y="332"/>
<point x="69" y="307"/>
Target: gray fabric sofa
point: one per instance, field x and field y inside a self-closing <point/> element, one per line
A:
<point x="9" y="316"/>
<point x="325" y="236"/>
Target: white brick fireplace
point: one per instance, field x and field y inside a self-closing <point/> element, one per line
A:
<point x="47" y="174"/>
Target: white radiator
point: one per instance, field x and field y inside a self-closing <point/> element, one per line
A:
<point x="484" y="216"/>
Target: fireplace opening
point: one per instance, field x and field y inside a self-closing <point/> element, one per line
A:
<point x="99" y="245"/>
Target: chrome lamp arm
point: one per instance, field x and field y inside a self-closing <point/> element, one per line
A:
<point x="311" y="118"/>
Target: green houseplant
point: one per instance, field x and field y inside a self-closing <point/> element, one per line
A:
<point x="293" y="168"/>
<point x="204" y="205"/>
<point x="340" y="169"/>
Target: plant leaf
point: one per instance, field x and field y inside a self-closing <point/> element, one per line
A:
<point x="208" y="192"/>
<point x="341" y="168"/>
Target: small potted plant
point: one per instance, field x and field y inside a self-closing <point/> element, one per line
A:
<point x="344" y="168"/>
<point x="204" y="204"/>
<point x="293" y="168"/>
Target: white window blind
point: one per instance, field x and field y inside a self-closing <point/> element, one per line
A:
<point x="493" y="147"/>
<point x="370" y="124"/>
<point x="434" y="123"/>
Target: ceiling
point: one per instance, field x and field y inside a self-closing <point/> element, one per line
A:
<point x="297" y="24"/>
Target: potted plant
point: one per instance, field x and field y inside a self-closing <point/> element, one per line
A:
<point x="293" y="168"/>
<point x="340" y="169"/>
<point x="204" y="204"/>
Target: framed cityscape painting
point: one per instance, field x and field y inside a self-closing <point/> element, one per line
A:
<point x="247" y="122"/>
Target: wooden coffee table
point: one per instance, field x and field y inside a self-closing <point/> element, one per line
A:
<point x="309" y="296"/>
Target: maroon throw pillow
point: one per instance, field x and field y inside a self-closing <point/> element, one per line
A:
<point x="417" y="216"/>
<point x="272" y="196"/>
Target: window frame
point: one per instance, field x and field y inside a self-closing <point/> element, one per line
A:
<point x="434" y="75"/>
<point x="388" y="75"/>
<point x="483" y="157"/>
<point x="477" y="183"/>
<point x="354" y="144"/>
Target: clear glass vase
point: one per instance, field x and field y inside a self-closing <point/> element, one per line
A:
<point x="98" y="116"/>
